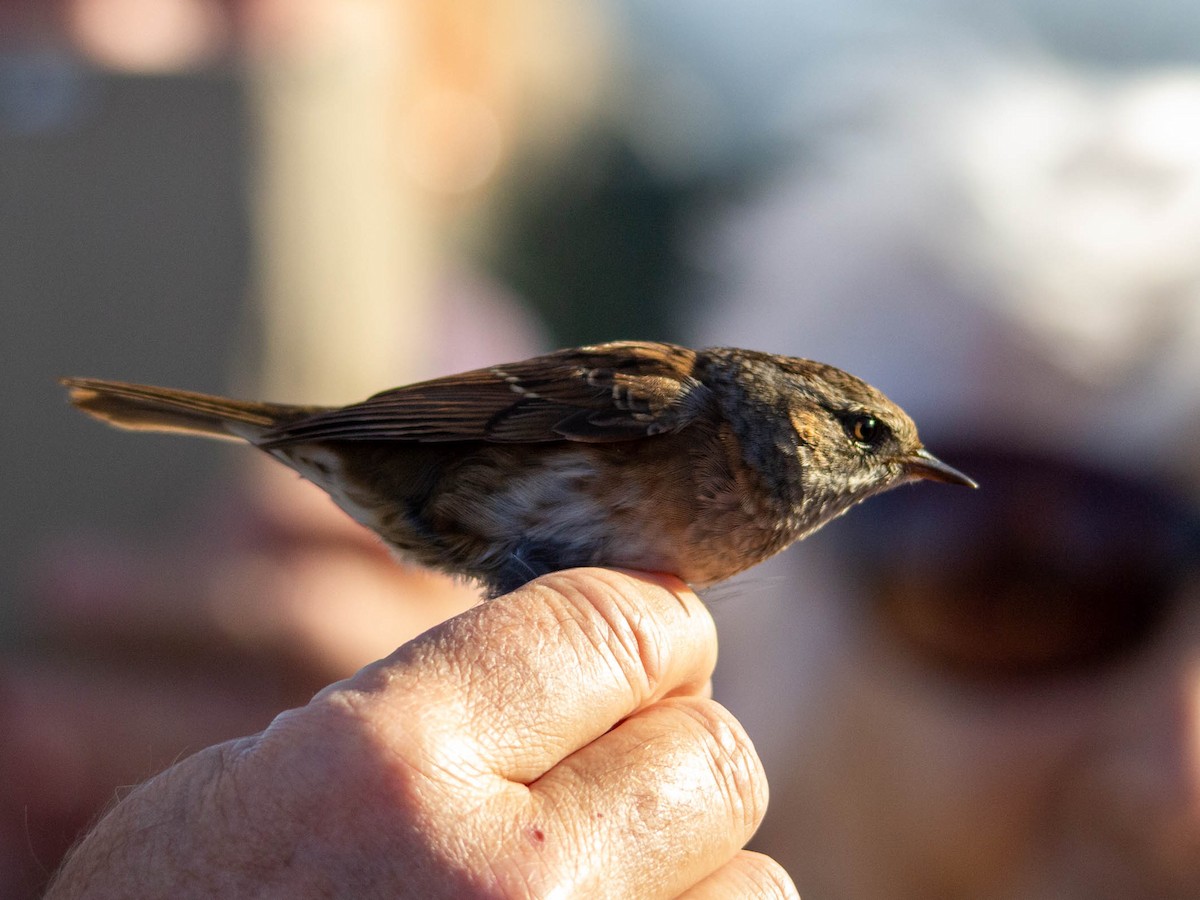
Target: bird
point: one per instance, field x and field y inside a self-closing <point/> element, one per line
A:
<point x="630" y="454"/>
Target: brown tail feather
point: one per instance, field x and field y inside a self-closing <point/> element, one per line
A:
<point x="145" y="408"/>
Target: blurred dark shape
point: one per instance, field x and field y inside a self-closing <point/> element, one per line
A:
<point x="1052" y="568"/>
<point x="599" y="245"/>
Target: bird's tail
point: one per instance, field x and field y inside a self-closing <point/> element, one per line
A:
<point x="142" y="407"/>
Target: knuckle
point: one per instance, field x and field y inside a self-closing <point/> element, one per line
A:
<point x="381" y="767"/>
<point x="632" y="625"/>
<point x="731" y="759"/>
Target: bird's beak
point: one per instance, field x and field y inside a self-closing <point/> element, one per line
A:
<point x="924" y="464"/>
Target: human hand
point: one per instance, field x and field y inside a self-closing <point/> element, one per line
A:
<point x="558" y="741"/>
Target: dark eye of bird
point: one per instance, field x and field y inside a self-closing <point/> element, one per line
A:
<point x="866" y="431"/>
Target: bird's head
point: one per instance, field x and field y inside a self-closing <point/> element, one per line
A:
<point x="854" y="441"/>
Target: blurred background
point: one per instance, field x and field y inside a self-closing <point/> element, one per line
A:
<point x="311" y="200"/>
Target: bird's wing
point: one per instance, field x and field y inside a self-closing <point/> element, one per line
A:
<point x="608" y="392"/>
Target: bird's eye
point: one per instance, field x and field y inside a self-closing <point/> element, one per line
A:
<point x="866" y="431"/>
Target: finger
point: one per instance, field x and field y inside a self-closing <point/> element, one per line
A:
<point x="748" y="875"/>
<point x="543" y="671"/>
<point x="652" y="807"/>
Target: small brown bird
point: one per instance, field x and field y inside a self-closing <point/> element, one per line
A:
<point x="635" y="454"/>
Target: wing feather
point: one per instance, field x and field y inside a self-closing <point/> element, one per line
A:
<point x="608" y="392"/>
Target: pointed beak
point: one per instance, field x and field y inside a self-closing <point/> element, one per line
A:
<point x="924" y="464"/>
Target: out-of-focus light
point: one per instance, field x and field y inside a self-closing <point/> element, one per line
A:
<point x="1091" y="194"/>
<point x="455" y="142"/>
<point x="148" y="35"/>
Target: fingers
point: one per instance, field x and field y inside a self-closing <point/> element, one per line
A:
<point x="660" y="801"/>
<point x="554" y="742"/>
<point x="747" y="875"/>
<point x="571" y="718"/>
<point x="543" y="671"/>
<point x="576" y="712"/>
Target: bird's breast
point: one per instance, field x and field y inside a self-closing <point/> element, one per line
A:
<point x="680" y="503"/>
